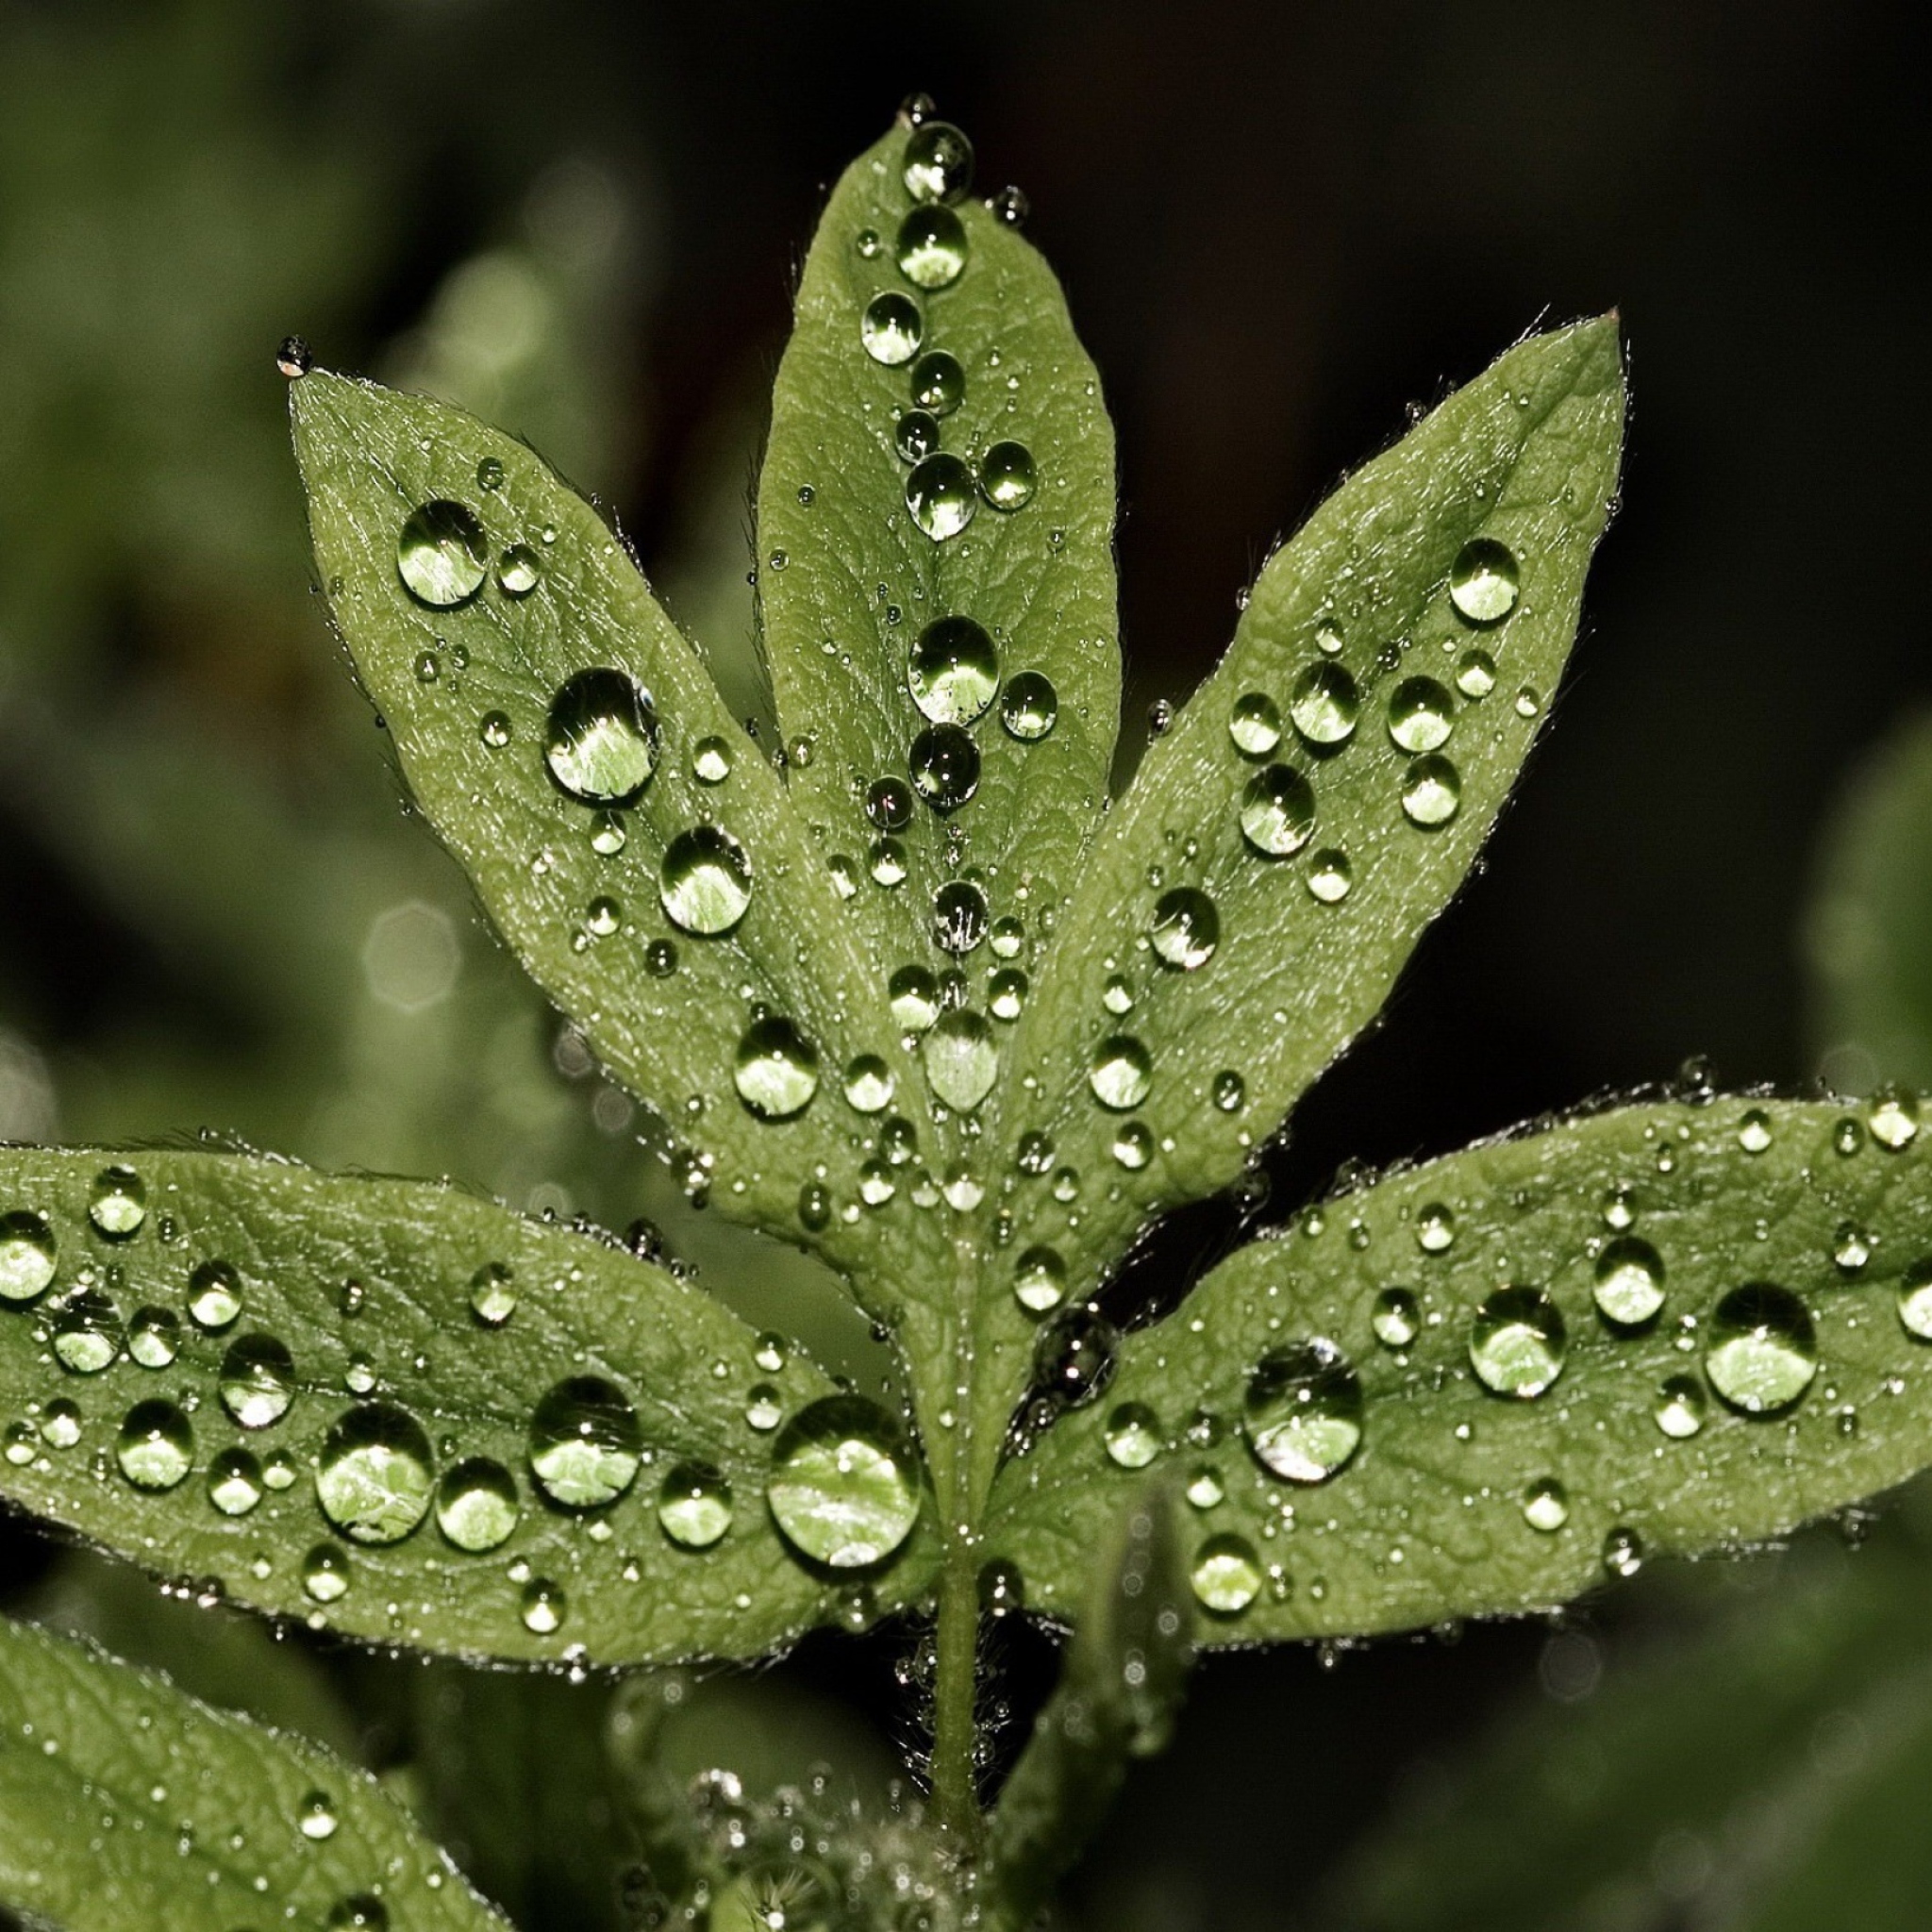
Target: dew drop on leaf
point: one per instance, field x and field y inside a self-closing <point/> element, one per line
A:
<point x="1254" y="724"/>
<point x="117" y="1202"/>
<point x="938" y="162"/>
<point x="442" y="553"/>
<point x="913" y="996"/>
<point x="1622" y="1553"/>
<point x="1005" y="993"/>
<point x="1753" y="1131"/>
<point x="706" y="881"/>
<point x="932" y="247"/>
<point x="1007" y="475"/>
<point x="1277" y="812"/>
<point x="1893" y="1118"/>
<point x="493" y="1295"/>
<point x="1324" y="705"/>
<point x="954" y="670"/>
<point x="585" y="1442"/>
<point x="1395" y="1318"/>
<point x="156" y="1445"/>
<point x="1075" y="1356"/>
<point x="1763" y="1350"/>
<point x="326" y="1574"/>
<point x="86" y="1332"/>
<point x="235" y="1483"/>
<point x="1435" y="1228"/>
<point x="1029" y="707"/>
<point x="961" y="1060"/>
<point x="1546" y="1506"/>
<point x="1680" y="1408"/>
<point x="694" y="1506"/>
<point x="542" y="1606"/>
<point x="518" y="570"/>
<point x="1475" y="674"/>
<point x="843" y="1488"/>
<point x="258" y="1380"/>
<point x="600" y="741"/>
<point x="1120" y="1073"/>
<point x="944" y="763"/>
<point x="1225" y="1575"/>
<point x="1422" y="715"/>
<point x="1230" y="1091"/>
<point x="1040" y="1280"/>
<point x="1329" y="876"/>
<point x="1303" y="1411"/>
<point x="27" y="1254"/>
<point x="489" y="474"/>
<point x="1483" y="582"/>
<point x="315" y="1819"/>
<point x="477" y="1506"/>
<point x="374" y="1477"/>
<point x="775" y="1070"/>
<point x="1431" y="792"/>
<point x="495" y="729"/>
<point x="61" y="1424"/>
<point x="1517" y="1342"/>
<point x="960" y="917"/>
<point x="891" y="329"/>
<point x="1132" y="1436"/>
<point x="1185" y="928"/>
<point x="1629" y="1286"/>
<point x="153" y="1337"/>
<point x="916" y="435"/>
<point x="1133" y="1145"/>
<point x="869" y="1084"/>
<point x="941" y="495"/>
<point x="1002" y="1589"/>
<point x="214" y="1295"/>
<point x="938" y="384"/>
<point x="889" y="804"/>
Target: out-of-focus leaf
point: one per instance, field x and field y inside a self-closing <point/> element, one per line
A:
<point x="1485" y="1384"/>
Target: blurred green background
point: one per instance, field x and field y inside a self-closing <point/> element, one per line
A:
<point x="1280" y="224"/>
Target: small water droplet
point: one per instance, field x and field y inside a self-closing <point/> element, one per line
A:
<point x="86" y="1332"/>
<point x="916" y="435"/>
<point x="153" y="1337"/>
<point x="1517" y="1342"/>
<point x="117" y="1202"/>
<point x="493" y="1295"/>
<point x="1622" y="1553"/>
<point x="214" y="1295"/>
<point x="489" y="474"/>
<point x="235" y="1483"/>
<point x="938" y="385"/>
<point x="1763" y="1350"/>
<point x="1132" y="1436"/>
<point x="477" y="1506"/>
<point x="543" y="1605"/>
<point x="887" y="862"/>
<point x="1435" y="1228"/>
<point x="1753" y="1131"/>
<point x="1040" y="1280"/>
<point x="869" y="1084"/>
<point x="1007" y="475"/>
<point x="1133" y="1145"/>
<point x="1002" y="1590"/>
<point x="294" y="359"/>
<point x="1254" y="724"/>
<point x="1422" y="715"/>
<point x="1324" y="705"/>
<point x="1186" y="929"/>
<point x="961" y="1059"/>
<point x="913" y="996"/>
<point x="1277" y="812"/>
<point x="1431" y="792"/>
<point x="325" y="1577"/>
<point x="1475" y="674"/>
<point x="1892" y="1117"/>
<point x="953" y="671"/>
<point x="585" y="1442"/>
<point x="891" y="329"/>
<point x="156" y="1445"/>
<point x="495" y="729"/>
<point x="1030" y="707"/>
<point x="1329" y="876"/>
<point x="1546" y="1506"/>
<point x="374" y="1477"/>
<point x="889" y="804"/>
<point x="1303" y="1411"/>
<point x="1230" y="1091"/>
<point x="442" y="553"/>
<point x="1395" y="1318"/>
<point x="1629" y="1287"/>
<point x="932" y="247"/>
<point x="1075" y="1356"/>
<point x="517" y="571"/>
<point x="704" y="884"/>
<point x="944" y="763"/>
<point x="1850" y="1247"/>
<point x="1005" y="993"/>
<point x="61" y="1424"/>
<point x="1225" y="1575"/>
<point x="258" y="1380"/>
<point x="843" y="1488"/>
<point x="1120" y="1073"/>
<point x="694" y="1506"/>
<point x="1680" y="1407"/>
<point x="315" y="1818"/>
<point x="600" y="741"/>
<point x="775" y="1070"/>
<point x="1483" y="582"/>
<point x="938" y="161"/>
<point x="941" y="495"/>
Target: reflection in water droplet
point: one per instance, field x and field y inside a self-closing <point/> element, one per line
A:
<point x="153" y="1337"/>
<point x="1225" y="1575"/>
<point x="1483" y="582"/>
<point x="1324" y="703"/>
<point x="1185" y="928"/>
<point x="1040" y="1280"/>
<point x="1630" y="1288"/>
<point x="938" y="384"/>
<point x="1030" y="706"/>
<point x="1007" y="476"/>
<point x="373" y="1476"/>
<point x="214" y="1295"/>
<point x="86" y="1332"/>
<point x="117" y="1202"/>
<point x="932" y="247"/>
<point x="954" y="670"/>
<point x="891" y="328"/>
<point x="1915" y="1300"/>
<point x="493" y="1295"/>
<point x="938" y="162"/>
<point x="234" y="1482"/>
<point x="1679" y="1411"/>
<point x="694" y="1506"/>
<point x="916" y="435"/>
<point x="489" y="474"/>
<point x="1763" y="1350"/>
<point x="1120" y="1073"/>
<point x="1133" y="1434"/>
<point x="585" y="1442"/>
<point x="1546" y="1506"/>
<point x="477" y="1506"/>
<point x="495" y="729"/>
<point x="889" y="804"/>
<point x="156" y="1445"/>
<point x="945" y="764"/>
<point x="1435" y="1228"/>
<point x="843" y="1489"/>
<point x="1005" y="993"/>
<point x="258" y="1380"/>
<point x="1277" y="812"/>
<point x="1517" y="1342"/>
<point x="27" y="1256"/>
<point x="1002" y="1589"/>
<point x="600" y="741"/>
<point x="442" y="553"/>
<point x="1303" y="1411"/>
<point x="1395" y="1318"/>
<point x="1422" y="715"/>
<point x="706" y="881"/>
<point x="941" y="496"/>
<point x="517" y="571"/>
<point x="776" y="1070"/>
<point x="1431" y="792"/>
<point x="61" y="1424"/>
<point x="961" y="1059"/>
<point x="960" y="917"/>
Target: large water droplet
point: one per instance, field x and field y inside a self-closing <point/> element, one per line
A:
<point x="1303" y="1411"/>
<point x="1431" y="792"/>
<point x="1277" y="812"/>
<point x="1324" y="703"/>
<point x="938" y="384"/>
<point x="1893" y="1118"/>
<point x="944" y="763"/>
<point x="27" y="1256"/>
<point x="954" y="670"/>
<point x="477" y="1506"/>
<point x="156" y="1445"/>
<point x="373" y="1480"/>
<point x="1763" y="1350"/>
<point x="1516" y="1343"/>
<point x="938" y="162"/>
<point x="961" y="1060"/>
<point x="932" y="247"/>
<point x="776" y="1070"/>
<point x="1422" y="715"/>
<point x="1120" y="1073"/>
<point x="585" y="1442"/>
<point x="1030" y="706"/>
<point x="1225" y="1575"/>
<point x="891" y="329"/>
<point x="258" y="1380"/>
<point x="706" y="882"/>
<point x="1629" y="1286"/>
<point x="843" y="1488"/>
<point x="1185" y="928"/>
<point x="442" y="553"/>
<point x="600" y="741"/>
<point x="1483" y="582"/>
<point x="1254" y="724"/>
<point x="117" y="1202"/>
<point x="941" y="495"/>
<point x="1007" y="475"/>
<point x="694" y="1506"/>
<point x="86" y="1332"/>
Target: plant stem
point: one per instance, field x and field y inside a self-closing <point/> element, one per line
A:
<point x="956" y="1695"/>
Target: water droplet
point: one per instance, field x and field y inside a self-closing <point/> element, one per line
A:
<point x="1230" y="1091"/>
<point x="694" y="1506"/>
<point x="585" y="1442"/>
<point x="608" y="834"/>
<point x="1629" y="1287"/>
<point x="22" y="1444"/>
<point x="1763" y="1350"/>
<point x="1040" y="1280"/>
<point x="961" y="1060"/>
<point x="932" y="247"/>
<point x="601" y="738"/>
<point x="258" y="1380"/>
<point x="493" y="1295"/>
<point x="1847" y="1138"/>
<point x="1225" y="1575"/>
<point x="1329" y="876"/>
<point x="706" y="881"/>
<point x="61" y="1424"/>
<point x="1002" y="1590"/>
<point x="1753" y="1131"/>
<point x="887" y="862"/>
<point x="1133" y="1145"/>
<point x="117" y="1202"/>
<point x="710" y="760"/>
<point x="1422" y="715"/>
<point x="477" y="1506"/>
<point x="1133" y="1434"/>
<point x="1303" y="1411"/>
<point x="869" y="1084"/>
<point x="1435" y="1228"/>
<point x="1622" y="1553"/>
<point x="495" y="729"/>
<point x="214" y="1295"/>
<point x="1475" y="674"/>
<point x="1546" y="1506"/>
<point x="374" y="1477"/>
<point x="916" y="435"/>
<point x="1120" y="1073"/>
<point x="542" y="1606"/>
<point x="1915" y="1300"/>
<point x="1517" y="1341"/>
<point x="891" y="328"/>
<point x="776" y="1070"/>
<point x="1324" y="705"/>
<point x="1851" y="1248"/>
<point x="86" y="1332"/>
<point x="660" y="958"/>
<point x="843" y="1488"/>
<point x="1483" y="582"/>
<point x="938" y="384"/>
<point x="1030" y="706"/>
<point x="153" y="1337"/>
<point x="294" y="359"/>
<point x="517" y="571"/>
<point x="156" y="1445"/>
<point x="234" y="1482"/>
<point x="1395" y="1318"/>
<point x="1007" y="476"/>
<point x="1431" y="792"/>
<point x="1204" y="1490"/>
<point x="1075" y="1356"/>
<point x="442" y="553"/>
<point x="1277" y="812"/>
<point x="913" y="996"/>
<point x="954" y="670"/>
<point x="326" y="1573"/>
<point x="945" y="764"/>
<point x="315" y="1818"/>
<point x="1185" y="928"/>
<point x="960" y="917"/>
<point x="1005" y="993"/>
<point x="941" y="495"/>
<point x="1893" y="1118"/>
<point x="938" y="161"/>
<point x="1254" y="724"/>
<point x="27" y="1256"/>
<point x="489" y="474"/>
<point x="1680" y="1406"/>
<point x="889" y="804"/>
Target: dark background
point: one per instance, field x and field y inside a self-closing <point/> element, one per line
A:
<point x="1278" y="225"/>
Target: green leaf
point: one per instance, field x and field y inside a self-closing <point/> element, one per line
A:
<point x="327" y="1329"/>
<point x="1117" y="1697"/>
<point x="1158" y="1065"/>
<point x="850" y="581"/>
<point x="125" y="1805"/>
<point x="540" y="593"/>
<point x="1473" y="1396"/>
